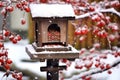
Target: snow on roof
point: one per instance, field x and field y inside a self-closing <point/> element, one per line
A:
<point x="52" y="10"/>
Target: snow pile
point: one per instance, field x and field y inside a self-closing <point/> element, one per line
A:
<point x="52" y="10"/>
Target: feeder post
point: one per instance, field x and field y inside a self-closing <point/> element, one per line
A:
<point x="53" y="74"/>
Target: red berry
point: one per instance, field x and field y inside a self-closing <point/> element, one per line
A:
<point x="98" y="60"/>
<point x="88" y="65"/>
<point x="6" y="33"/>
<point x="78" y="31"/>
<point x="43" y="1"/>
<point x="64" y="60"/>
<point x="14" y="75"/>
<point x="77" y="12"/>
<point x="116" y="54"/>
<point x="10" y="8"/>
<point x="18" y="37"/>
<point x="90" y="58"/>
<point x="88" y="78"/>
<point x="109" y="72"/>
<point x="1" y="45"/>
<point x="79" y="67"/>
<point x="96" y="18"/>
<point x="84" y="58"/>
<point x="24" y="3"/>
<point x="96" y="30"/>
<point x="108" y="66"/>
<point x="11" y="37"/>
<point x="9" y="61"/>
<point x="1" y="60"/>
<point x="23" y="21"/>
<point x="84" y="30"/>
<point x="31" y="0"/>
<point x="19" y="5"/>
<point x="82" y="51"/>
<point x="14" y="41"/>
<point x="26" y="8"/>
<point x="101" y="23"/>
<point x="97" y="65"/>
<point x="1" y="37"/>
<point x="91" y="8"/>
<point x="68" y="1"/>
<point x="102" y="66"/>
<point x="7" y="66"/>
<point x="83" y="77"/>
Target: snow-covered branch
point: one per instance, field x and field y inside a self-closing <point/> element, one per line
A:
<point x="110" y="10"/>
<point x="92" y="71"/>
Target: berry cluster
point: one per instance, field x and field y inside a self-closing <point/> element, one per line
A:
<point x="14" y="38"/>
<point x="5" y="62"/>
<point x="23" y="5"/>
<point x="97" y="62"/>
<point x="6" y="34"/>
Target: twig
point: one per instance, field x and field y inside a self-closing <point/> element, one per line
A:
<point x="111" y="10"/>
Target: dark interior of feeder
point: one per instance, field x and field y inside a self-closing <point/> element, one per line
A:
<point x="53" y="33"/>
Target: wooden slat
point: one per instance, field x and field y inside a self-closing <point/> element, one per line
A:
<point x="53" y="69"/>
<point x="51" y="54"/>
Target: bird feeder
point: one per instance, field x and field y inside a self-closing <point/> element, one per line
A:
<point x="51" y="36"/>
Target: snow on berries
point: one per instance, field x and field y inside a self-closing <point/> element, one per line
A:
<point x="83" y="30"/>
<point x="9" y="8"/>
<point x="14" y="38"/>
<point x="6" y="33"/>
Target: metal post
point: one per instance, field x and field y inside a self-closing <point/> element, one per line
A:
<point x="52" y="74"/>
<point x="52" y="69"/>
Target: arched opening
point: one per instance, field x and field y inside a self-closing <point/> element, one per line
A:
<point x="53" y="33"/>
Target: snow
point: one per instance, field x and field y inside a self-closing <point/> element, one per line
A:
<point x="32" y="50"/>
<point x="17" y="53"/>
<point x="52" y="10"/>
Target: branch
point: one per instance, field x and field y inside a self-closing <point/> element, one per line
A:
<point x="94" y="70"/>
<point x="111" y="10"/>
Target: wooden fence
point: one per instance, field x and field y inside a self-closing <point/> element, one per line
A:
<point x="90" y="38"/>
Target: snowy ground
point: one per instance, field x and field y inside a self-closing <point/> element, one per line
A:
<point x="17" y="53"/>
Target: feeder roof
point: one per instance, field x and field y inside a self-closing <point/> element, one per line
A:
<point x="51" y="10"/>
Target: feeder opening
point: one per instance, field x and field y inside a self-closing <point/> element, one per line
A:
<point x="53" y="33"/>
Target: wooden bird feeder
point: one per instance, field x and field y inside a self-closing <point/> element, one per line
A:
<point x="51" y="36"/>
